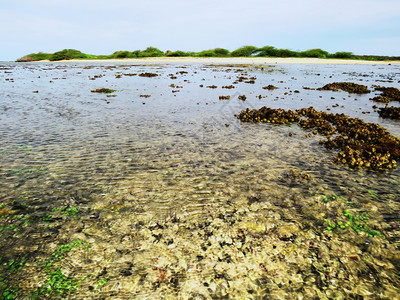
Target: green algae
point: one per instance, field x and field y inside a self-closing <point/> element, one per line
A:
<point x="103" y="91"/>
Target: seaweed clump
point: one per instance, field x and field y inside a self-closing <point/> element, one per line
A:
<point x="103" y="90"/>
<point x="388" y="94"/>
<point x="270" y="87"/>
<point x="147" y="74"/>
<point x="349" y="87"/>
<point x="389" y="112"/>
<point x="268" y="115"/>
<point x="361" y="144"/>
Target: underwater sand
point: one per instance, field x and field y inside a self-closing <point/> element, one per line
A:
<point x="157" y="190"/>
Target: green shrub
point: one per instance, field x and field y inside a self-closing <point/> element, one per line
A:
<point x="90" y="56"/>
<point x="151" y="52"/>
<point x="121" y="54"/>
<point x="287" y="53"/>
<point x="135" y="53"/>
<point x="342" y="55"/>
<point x="206" y="53"/>
<point x="244" y="51"/>
<point x="319" y="53"/>
<point x="67" y="54"/>
<point x="267" y="51"/>
<point x="178" y="53"/>
<point x="221" y="52"/>
<point x="40" y="56"/>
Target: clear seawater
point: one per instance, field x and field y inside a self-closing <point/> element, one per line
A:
<point x="166" y="150"/>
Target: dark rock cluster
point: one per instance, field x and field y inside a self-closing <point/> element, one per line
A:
<point x="270" y="87"/>
<point x="268" y="115"/>
<point x="389" y="112"/>
<point x="147" y="74"/>
<point x="349" y="87"/>
<point x="361" y="144"/>
<point x="103" y="90"/>
<point x="388" y="94"/>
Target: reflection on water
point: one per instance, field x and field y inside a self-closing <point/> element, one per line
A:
<point x="171" y="195"/>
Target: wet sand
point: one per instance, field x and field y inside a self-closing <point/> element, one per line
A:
<point x="239" y="60"/>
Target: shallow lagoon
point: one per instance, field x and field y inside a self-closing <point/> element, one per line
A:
<point x="170" y="195"/>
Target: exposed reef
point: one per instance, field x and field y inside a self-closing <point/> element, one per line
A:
<point x="349" y="87"/>
<point x="269" y="115"/>
<point x="388" y="94"/>
<point x="147" y="74"/>
<point x="361" y="144"/>
<point x="270" y="87"/>
<point x="389" y="112"/>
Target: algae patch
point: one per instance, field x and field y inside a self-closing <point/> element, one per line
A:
<point x="361" y="144"/>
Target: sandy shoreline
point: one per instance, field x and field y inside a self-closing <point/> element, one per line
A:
<point x="236" y="60"/>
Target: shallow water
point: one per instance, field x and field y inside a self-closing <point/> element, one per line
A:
<point x="176" y="197"/>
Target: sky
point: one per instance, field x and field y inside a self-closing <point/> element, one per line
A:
<point x="103" y="27"/>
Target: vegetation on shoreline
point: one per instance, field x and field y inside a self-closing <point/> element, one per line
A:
<point x="245" y="51"/>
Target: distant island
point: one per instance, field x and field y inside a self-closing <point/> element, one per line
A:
<point x="245" y="51"/>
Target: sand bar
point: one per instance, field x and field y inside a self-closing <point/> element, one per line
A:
<point x="237" y="60"/>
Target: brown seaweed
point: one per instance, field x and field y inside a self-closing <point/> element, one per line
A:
<point x="361" y="144"/>
<point x="389" y="112"/>
<point x="349" y="87"/>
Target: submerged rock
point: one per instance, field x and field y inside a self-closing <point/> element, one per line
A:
<point x="389" y="112"/>
<point x="268" y="115"/>
<point x="349" y="87"/>
<point x="270" y="87"/>
<point x="147" y="74"/>
<point x="362" y="144"/>
<point x="388" y="94"/>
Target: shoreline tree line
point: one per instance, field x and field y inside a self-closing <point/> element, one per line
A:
<point x="245" y="51"/>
